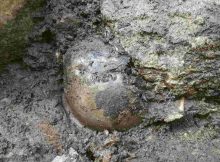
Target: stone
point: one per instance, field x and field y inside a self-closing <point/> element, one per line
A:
<point x="72" y="156"/>
<point x="95" y="87"/>
<point x="153" y="55"/>
<point x="175" y="44"/>
<point x="62" y="158"/>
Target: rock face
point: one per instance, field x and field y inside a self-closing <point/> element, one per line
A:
<point x="174" y="44"/>
<point x="34" y="126"/>
<point x="166" y="54"/>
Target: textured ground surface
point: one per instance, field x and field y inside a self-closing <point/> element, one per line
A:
<point x="34" y="126"/>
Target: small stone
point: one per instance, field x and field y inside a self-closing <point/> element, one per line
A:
<point x="106" y="132"/>
<point x="72" y="152"/>
<point x="62" y="158"/>
<point x="5" y="101"/>
<point x="173" y="117"/>
<point x="96" y="92"/>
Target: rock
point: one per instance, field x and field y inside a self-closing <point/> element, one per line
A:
<point x="62" y="158"/>
<point x="40" y="56"/>
<point x="168" y="51"/>
<point x="174" y="44"/>
<point x="73" y="156"/>
<point x="27" y="96"/>
<point x="95" y="88"/>
<point x="5" y="101"/>
<point x="72" y="152"/>
<point x="168" y="112"/>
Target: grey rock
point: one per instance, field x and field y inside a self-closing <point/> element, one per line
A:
<point x="174" y="43"/>
<point x="30" y="96"/>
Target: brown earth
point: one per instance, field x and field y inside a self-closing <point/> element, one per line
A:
<point x="8" y="9"/>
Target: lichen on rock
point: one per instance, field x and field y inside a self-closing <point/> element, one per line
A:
<point x="164" y="35"/>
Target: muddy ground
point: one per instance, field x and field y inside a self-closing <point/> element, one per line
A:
<point x="34" y="125"/>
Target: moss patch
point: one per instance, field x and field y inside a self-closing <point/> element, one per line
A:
<point x="200" y="135"/>
<point x="13" y="35"/>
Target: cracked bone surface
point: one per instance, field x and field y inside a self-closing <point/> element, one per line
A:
<point x="172" y="49"/>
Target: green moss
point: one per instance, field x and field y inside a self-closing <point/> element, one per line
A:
<point x="200" y="135"/>
<point x="181" y="15"/>
<point x="142" y="17"/>
<point x="13" y="35"/>
<point x="216" y="151"/>
<point x="185" y="26"/>
<point x="75" y="22"/>
<point x="152" y="35"/>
